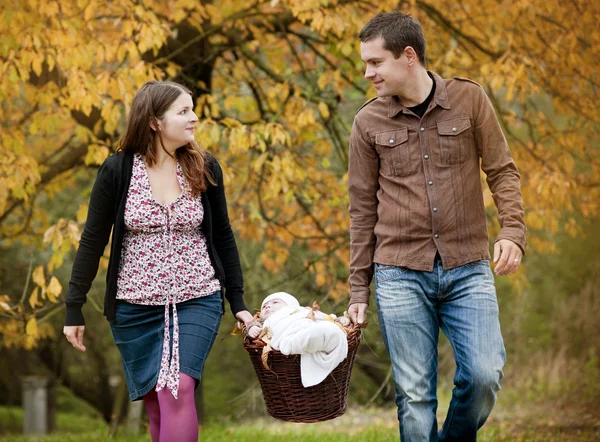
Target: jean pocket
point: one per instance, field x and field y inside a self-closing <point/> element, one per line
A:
<point x="385" y="272"/>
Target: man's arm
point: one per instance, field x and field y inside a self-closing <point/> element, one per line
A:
<point x="503" y="179"/>
<point x="363" y="175"/>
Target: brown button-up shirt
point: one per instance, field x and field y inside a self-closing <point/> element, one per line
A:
<point x="415" y="187"/>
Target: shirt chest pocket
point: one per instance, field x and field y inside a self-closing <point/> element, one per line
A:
<point x="394" y="153"/>
<point x="455" y="140"/>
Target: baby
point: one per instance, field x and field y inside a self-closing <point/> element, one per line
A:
<point x="285" y="326"/>
<point x="275" y="302"/>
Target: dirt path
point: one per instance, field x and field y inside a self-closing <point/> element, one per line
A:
<point x="547" y="422"/>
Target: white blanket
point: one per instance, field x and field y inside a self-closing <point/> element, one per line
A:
<point x="321" y="343"/>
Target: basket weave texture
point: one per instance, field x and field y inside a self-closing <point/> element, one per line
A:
<point x="287" y="399"/>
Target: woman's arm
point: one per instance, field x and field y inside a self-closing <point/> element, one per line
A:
<point x="95" y="236"/>
<point x="226" y="246"/>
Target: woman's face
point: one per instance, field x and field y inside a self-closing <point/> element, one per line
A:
<point x="271" y="306"/>
<point x="177" y="124"/>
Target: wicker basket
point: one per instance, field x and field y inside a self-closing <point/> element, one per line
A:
<point x="287" y="399"/>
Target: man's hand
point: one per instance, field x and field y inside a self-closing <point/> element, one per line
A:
<point x="74" y="335"/>
<point x="358" y="312"/>
<point x="507" y="256"/>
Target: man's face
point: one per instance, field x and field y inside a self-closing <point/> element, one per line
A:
<point x="387" y="73"/>
<point x="271" y="306"/>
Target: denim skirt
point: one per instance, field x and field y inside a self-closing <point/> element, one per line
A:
<point x="138" y="331"/>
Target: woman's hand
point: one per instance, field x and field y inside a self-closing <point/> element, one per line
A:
<point x="74" y="334"/>
<point x="244" y="316"/>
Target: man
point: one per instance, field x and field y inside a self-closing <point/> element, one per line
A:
<point x="418" y="226"/>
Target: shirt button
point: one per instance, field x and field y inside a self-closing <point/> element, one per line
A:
<point x="422" y="129"/>
<point x="453" y="129"/>
<point x="430" y="183"/>
<point x="436" y="236"/>
<point x="435" y="209"/>
<point x="391" y="141"/>
<point x="426" y="157"/>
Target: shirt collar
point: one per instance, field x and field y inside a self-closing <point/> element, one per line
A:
<point x="440" y="97"/>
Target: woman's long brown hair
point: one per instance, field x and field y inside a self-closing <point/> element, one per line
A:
<point x="149" y="105"/>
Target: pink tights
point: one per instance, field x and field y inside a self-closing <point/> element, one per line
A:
<point x="173" y="420"/>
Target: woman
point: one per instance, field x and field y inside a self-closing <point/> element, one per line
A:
<point x="172" y="254"/>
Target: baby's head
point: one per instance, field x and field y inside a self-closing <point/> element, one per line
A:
<point x="277" y="301"/>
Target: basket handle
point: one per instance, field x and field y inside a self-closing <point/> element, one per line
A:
<point x="355" y="328"/>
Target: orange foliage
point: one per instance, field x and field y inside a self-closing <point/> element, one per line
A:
<point x="277" y="84"/>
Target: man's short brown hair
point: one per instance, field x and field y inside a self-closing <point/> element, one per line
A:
<point x="398" y="31"/>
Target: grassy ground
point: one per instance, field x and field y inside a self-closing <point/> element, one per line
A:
<point x="545" y="422"/>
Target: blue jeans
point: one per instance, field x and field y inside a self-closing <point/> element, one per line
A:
<point x="413" y="306"/>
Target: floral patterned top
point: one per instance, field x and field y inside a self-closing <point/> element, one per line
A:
<point x="164" y="259"/>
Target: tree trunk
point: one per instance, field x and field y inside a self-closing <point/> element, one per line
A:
<point x="98" y="394"/>
<point x="134" y="417"/>
<point x="119" y="408"/>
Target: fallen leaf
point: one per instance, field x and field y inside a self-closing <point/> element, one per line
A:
<point x="265" y="356"/>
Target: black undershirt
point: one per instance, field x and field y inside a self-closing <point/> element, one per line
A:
<point x="420" y="109"/>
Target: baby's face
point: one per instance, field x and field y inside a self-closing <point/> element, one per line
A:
<point x="271" y="306"/>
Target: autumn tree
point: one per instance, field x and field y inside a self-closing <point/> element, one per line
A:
<point x="276" y="84"/>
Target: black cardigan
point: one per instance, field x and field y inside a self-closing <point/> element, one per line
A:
<point x="107" y="208"/>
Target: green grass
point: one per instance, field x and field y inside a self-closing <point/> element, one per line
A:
<point x="544" y="422"/>
<point x="11" y="422"/>
<point x="249" y="433"/>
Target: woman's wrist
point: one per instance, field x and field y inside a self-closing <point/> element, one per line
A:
<point x="245" y="316"/>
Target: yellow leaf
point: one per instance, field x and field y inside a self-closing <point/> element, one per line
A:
<point x="31" y="328"/>
<point x="214" y="13"/>
<point x="48" y="234"/>
<point x="215" y="134"/>
<point x="54" y="289"/>
<point x="4" y="299"/>
<point x="265" y="355"/>
<point x="74" y="233"/>
<point x="36" y="65"/>
<point x="214" y="110"/>
<point x="33" y="299"/>
<point x="89" y="12"/>
<point x="38" y="276"/>
<point x="324" y="110"/>
<point x="172" y="70"/>
<point x="96" y="154"/>
<point x="82" y="213"/>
